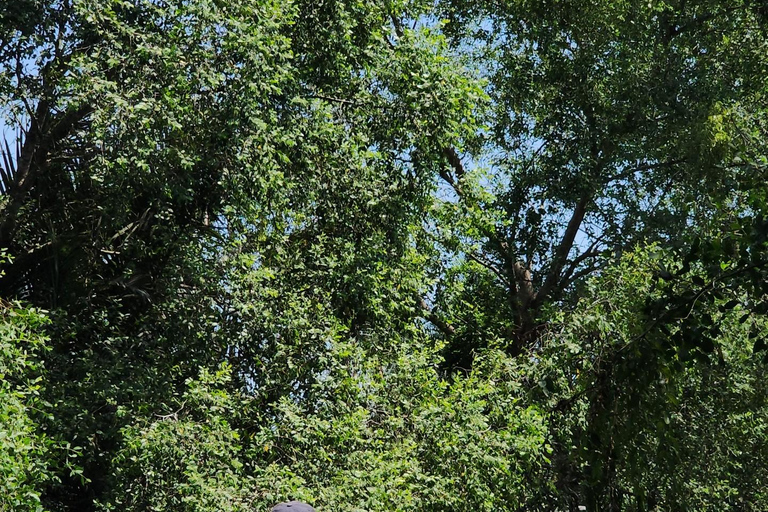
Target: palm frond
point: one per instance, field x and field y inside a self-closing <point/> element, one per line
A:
<point x="9" y="159"/>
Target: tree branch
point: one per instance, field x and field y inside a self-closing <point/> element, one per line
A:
<point x="334" y="100"/>
<point x="644" y="167"/>
<point x="397" y="25"/>
<point x="447" y="329"/>
<point x="697" y="22"/>
<point x="525" y="292"/>
<point x="458" y="168"/>
<point x="568" y="276"/>
<point x="564" y="248"/>
<point x="490" y="266"/>
<point x="455" y="162"/>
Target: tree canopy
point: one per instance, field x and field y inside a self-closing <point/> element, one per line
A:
<point x="436" y="256"/>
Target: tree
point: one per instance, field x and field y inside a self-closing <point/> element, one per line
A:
<point x="640" y="421"/>
<point x="181" y="192"/>
<point x="615" y="125"/>
<point x="374" y="438"/>
<point x="186" y="459"/>
<point x="383" y="218"/>
<point x="611" y="124"/>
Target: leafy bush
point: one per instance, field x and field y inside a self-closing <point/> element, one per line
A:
<point x="23" y="447"/>
<point x="386" y="439"/>
<point x="395" y="436"/>
<point x="186" y="460"/>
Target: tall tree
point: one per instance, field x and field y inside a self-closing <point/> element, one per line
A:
<point x="326" y="195"/>
<point x="653" y="413"/>
<point x="611" y="124"/>
<point x="196" y="182"/>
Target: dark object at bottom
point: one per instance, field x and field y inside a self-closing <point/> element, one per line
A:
<point x="292" y="506"/>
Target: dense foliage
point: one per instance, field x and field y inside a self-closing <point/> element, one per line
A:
<point x="24" y="448"/>
<point x="399" y="255"/>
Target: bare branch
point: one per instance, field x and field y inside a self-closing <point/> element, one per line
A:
<point x="397" y="25"/>
<point x="575" y="276"/>
<point x="570" y="275"/>
<point x="455" y="162"/>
